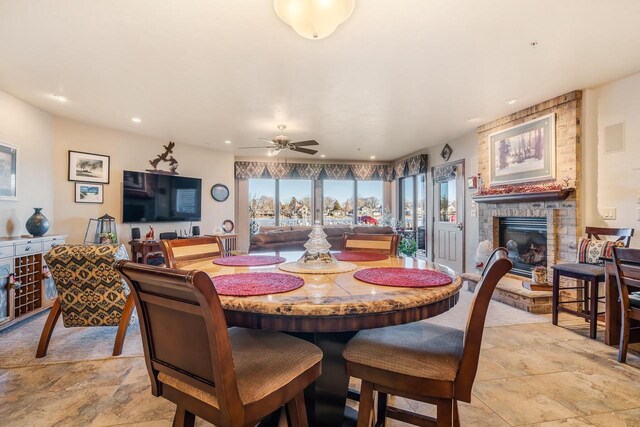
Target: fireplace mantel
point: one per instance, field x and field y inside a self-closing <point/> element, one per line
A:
<point x="525" y="197"/>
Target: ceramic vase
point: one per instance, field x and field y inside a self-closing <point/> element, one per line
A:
<point x="37" y="224"/>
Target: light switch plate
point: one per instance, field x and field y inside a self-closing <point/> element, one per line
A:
<point x="609" y="213"/>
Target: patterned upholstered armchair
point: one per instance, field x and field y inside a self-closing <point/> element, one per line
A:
<point x="90" y="291"/>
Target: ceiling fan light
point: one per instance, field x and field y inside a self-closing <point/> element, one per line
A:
<point x="314" y="19"/>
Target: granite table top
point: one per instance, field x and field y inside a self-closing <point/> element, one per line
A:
<point x="334" y="294"/>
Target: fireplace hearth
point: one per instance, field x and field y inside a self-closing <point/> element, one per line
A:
<point x="526" y="242"/>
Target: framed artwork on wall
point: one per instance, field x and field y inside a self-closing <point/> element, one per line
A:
<point x="523" y="153"/>
<point x="88" y="167"/>
<point x="89" y="193"/>
<point x="8" y="172"/>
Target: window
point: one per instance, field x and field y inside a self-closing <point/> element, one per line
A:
<point x="295" y="202"/>
<point x="407" y="202"/>
<point x="448" y="210"/>
<point x="338" y="201"/>
<point x="262" y="201"/>
<point x="413" y="208"/>
<point x="370" y="194"/>
<point x="281" y="201"/>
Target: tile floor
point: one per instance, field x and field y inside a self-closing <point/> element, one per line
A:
<point x="531" y="374"/>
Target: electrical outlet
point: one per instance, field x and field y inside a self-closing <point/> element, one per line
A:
<point x="609" y="213"/>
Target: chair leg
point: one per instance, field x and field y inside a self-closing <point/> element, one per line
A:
<point x="366" y="404"/>
<point x="456" y="414"/>
<point x="183" y="418"/>
<point x="297" y="411"/>
<point x="127" y="311"/>
<point x="625" y="324"/>
<point x="593" y="308"/>
<point x="52" y="319"/>
<point x="556" y="297"/>
<point x="445" y="413"/>
<point x="381" y="417"/>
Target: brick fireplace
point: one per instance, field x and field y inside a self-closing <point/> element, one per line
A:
<point x="562" y="215"/>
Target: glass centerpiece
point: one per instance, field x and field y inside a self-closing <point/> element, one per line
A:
<point x="316" y="255"/>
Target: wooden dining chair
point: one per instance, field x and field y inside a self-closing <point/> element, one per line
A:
<point x="379" y="243"/>
<point x="422" y="361"/>
<point x="180" y="252"/>
<point x="228" y="377"/>
<point x="589" y="275"/>
<point x="627" y="263"/>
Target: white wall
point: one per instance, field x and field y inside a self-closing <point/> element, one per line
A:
<point x="30" y="129"/>
<point x="132" y="152"/>
<point x="613" y="179"/>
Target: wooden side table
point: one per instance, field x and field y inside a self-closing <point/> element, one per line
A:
<point x="144" y="248"/>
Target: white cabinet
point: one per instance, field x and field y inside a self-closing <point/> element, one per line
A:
<point x="24" y="287"/>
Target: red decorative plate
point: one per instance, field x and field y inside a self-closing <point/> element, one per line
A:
<point x="248" y="284"/>
<point x="249" y="260"/>
<point x="360" y="256"/>
<point x="403" y="277"/>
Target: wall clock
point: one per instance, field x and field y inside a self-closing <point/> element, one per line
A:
<point x="219" y="192"/>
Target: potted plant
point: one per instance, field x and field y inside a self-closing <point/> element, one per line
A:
<point x="539" y="274"/>
<point x="108" y="238"/>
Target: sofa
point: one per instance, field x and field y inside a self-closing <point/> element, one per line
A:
<point x="293" y="238"/>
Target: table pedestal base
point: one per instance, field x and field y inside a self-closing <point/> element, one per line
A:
<point x="326" y="398"/>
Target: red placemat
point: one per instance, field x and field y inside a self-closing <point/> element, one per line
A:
<point x="360" y="256"/>
<point x="247" y="284"/>
<point x="249" y="260"/>
<point x="403" y="277"/>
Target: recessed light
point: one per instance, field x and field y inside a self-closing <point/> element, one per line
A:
<point x="471" y="119"/>
<point x="136" y="120"/>
<point x="60" y="98"/>
<point x="534" y="43"/>
<point x="372" y="157"/>
<point x="511" y="101"/>
<point x="227" y="142"/>
<point x="323" y="155"/>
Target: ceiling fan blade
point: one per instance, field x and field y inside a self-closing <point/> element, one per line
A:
<point x="305" y="143"/>
<point x="248" y="148"/>
<point x="305" y="150"/>
<point x="266" y="140"/>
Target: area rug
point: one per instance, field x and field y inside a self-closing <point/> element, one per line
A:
<point x="19" y="343"/>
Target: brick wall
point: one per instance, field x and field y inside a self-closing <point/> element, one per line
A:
<point x="563" y="217"/>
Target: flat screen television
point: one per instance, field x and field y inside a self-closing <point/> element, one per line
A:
<point x="150" y="197"/>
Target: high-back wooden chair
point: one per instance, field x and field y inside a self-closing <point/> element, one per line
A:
<point x="379" y="243"/>
<point x="627" y="262"/>
<point x="589" y="277"/>
<point x="228" y="377"/>
<point x="90" y="291"/>
<point x="423" y="361"/>
<point x="180" y="252"/>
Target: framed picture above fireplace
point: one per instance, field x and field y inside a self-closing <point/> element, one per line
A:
<point x="523" y="153"/>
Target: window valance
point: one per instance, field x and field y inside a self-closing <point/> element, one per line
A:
<point x="359" y="171"/>
<point x="444" y="173"/>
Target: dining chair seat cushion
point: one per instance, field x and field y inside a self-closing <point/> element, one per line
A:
<point x="264" y="362"/>
<point x="418" y="349"/>
<point x="583" y="269"/>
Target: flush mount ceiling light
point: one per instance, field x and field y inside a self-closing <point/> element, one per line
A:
<point x="314" y="19"/>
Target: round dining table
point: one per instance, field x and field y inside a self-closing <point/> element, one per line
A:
<point x="328" y="310"/>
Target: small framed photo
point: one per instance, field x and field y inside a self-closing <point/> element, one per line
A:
<point x="8" y="172"/>
<point x="472" y="182"/>
<point x="87" y="167"/>
<point x="446" y="152"/>
<point x="89" y="193"/>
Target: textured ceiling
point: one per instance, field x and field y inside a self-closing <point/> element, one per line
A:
<point x="398" y="76"/>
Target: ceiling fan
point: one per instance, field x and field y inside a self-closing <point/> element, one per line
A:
<point x="283" y="142"/>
